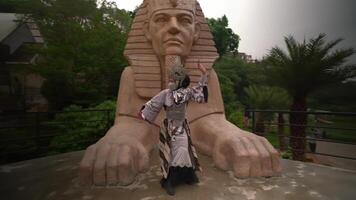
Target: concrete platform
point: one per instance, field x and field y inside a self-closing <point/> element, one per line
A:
<point x="56" y="178"/>
<point x="338" y="150"/>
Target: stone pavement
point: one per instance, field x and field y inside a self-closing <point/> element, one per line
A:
<point x="346" y="150"/>
<point x="55" y="177"/>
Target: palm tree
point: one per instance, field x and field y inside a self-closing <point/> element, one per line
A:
<point x="304" y="68"/>
<point x="265" y="98"/>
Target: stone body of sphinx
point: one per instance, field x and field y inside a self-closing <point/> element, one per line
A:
<point x="162" y="31"/>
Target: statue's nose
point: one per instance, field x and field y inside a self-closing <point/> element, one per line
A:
<point x="173" y="26"/>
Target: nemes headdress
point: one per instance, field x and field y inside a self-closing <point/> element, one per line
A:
<point x="154" y="5"/>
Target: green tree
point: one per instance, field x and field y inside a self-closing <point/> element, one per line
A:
<point x="339" y="97"/>
<point x="80" y="129"/>
<point x="7" y="6"/>
<point x="84" y="43"/>
<point x="225" y="39"/>
<point x="304" y="68"/>
<point x="229" y="71"/>
<point x="265" y="98"/>
<point x="234" y="74"/>
<point x="240" y="74"/>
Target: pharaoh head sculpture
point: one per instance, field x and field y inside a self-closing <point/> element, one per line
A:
<point x="171" y="26"/>
<point x="161" y="31"/>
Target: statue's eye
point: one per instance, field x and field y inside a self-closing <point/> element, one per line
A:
<point x="161" y="19"/>
<point x="185" y="20"/>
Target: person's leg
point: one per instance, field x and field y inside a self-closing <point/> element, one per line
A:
<point x="190" y="176"/>
<point x="169" y="183"/>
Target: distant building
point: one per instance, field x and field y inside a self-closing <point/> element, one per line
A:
<point x="19" y="86"/>
<point x="247" y="58"/>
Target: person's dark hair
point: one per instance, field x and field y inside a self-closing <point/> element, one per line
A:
<point x="185" y="83"/>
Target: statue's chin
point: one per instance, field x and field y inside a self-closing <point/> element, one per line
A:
<point x="175" y="51"/>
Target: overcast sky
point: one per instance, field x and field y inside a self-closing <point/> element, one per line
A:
<point x="262" y="24"/>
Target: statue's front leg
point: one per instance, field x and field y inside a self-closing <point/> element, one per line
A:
<point x="247" y="154"/>
<point x="120" y="155"/>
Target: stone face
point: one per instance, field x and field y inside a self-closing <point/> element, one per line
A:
<point x="56" y="177"/>
<point x="138" y="45"/>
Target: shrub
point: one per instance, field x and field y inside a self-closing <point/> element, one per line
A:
<point x="79" y="128"/>
<point x="236" y="118"/>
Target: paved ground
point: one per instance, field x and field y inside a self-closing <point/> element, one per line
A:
<point x="56" y="178"/>
<point x="346" y="150"/>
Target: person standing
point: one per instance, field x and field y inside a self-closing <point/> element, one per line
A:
<point x="178" y="156"/>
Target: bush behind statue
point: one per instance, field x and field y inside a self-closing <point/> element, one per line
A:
<point x="79" y="128"/>
<point x="236" y="118"/>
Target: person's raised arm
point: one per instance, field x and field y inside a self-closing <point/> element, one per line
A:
<point x="199" y="93"/>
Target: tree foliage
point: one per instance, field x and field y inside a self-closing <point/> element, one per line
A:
<point x="83" y="49"/>
<point x="224" y="37"/>
<point x="265" y="97"/>
<point x="240" y="74"/>
<point x="338" y="97"/>
<point x="308" y="66"/>
<point x="303" y="69"/>
<point x="227" y="70"/>
<point x="80" y="129"/>
<point x="235" y="75"/>
<point x="7" y="6"/>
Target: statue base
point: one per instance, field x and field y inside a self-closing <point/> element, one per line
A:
<point x="55" y="177"/>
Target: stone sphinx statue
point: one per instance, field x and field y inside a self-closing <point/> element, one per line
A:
<point x="162" y="32"/>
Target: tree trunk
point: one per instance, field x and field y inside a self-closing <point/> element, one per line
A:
<point x="297" y="128"/>
<point x="280" y="132"/>
<point x="260" y="126"/>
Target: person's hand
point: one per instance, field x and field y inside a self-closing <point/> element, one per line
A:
<point x="201" y="68"/>
<point x="116" y="158"/>
<point x="246" y="154"/>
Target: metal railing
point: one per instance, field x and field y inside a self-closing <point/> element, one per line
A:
<point x="26" y="135"/>
<point x="319" y="127"/>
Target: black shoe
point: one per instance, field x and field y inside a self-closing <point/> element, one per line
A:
<point x="194" y="180"/>
<point x="169" y="188"/>
<point x="191" y="177"/>
<point x="163" y="180"/>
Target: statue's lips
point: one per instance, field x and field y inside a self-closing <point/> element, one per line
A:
<point x="173" y="41"/>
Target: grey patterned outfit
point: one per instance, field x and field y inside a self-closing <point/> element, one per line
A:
<point x="175" y="146"/>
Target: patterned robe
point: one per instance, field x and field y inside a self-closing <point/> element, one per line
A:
<point x="169" y="100"/>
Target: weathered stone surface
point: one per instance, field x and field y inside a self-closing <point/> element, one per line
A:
<point x="150" y="77"/>
<point x="56" y="177"/>
<point x="246" y="154"/>
<point x="148" y="84"/>
<point x="139" y="45"/>
<point x="147" y="70"/>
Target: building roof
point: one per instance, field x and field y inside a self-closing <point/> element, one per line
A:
<point x="14" y="34"/>
<point x="7" y="24"/>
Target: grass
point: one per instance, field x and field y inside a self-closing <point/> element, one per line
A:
<point x="273" y="139"/>
<point x="342" y="135"/>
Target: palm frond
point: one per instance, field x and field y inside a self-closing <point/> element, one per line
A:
<point x="315" y="44"/>
<point x="307" y="66"/>
<point x="264" y="97"/>
<point x="336" y="58"/>
<point x="323" y="52"/>
<point x="344" y="72"/>
<point x="292" y="46"/>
